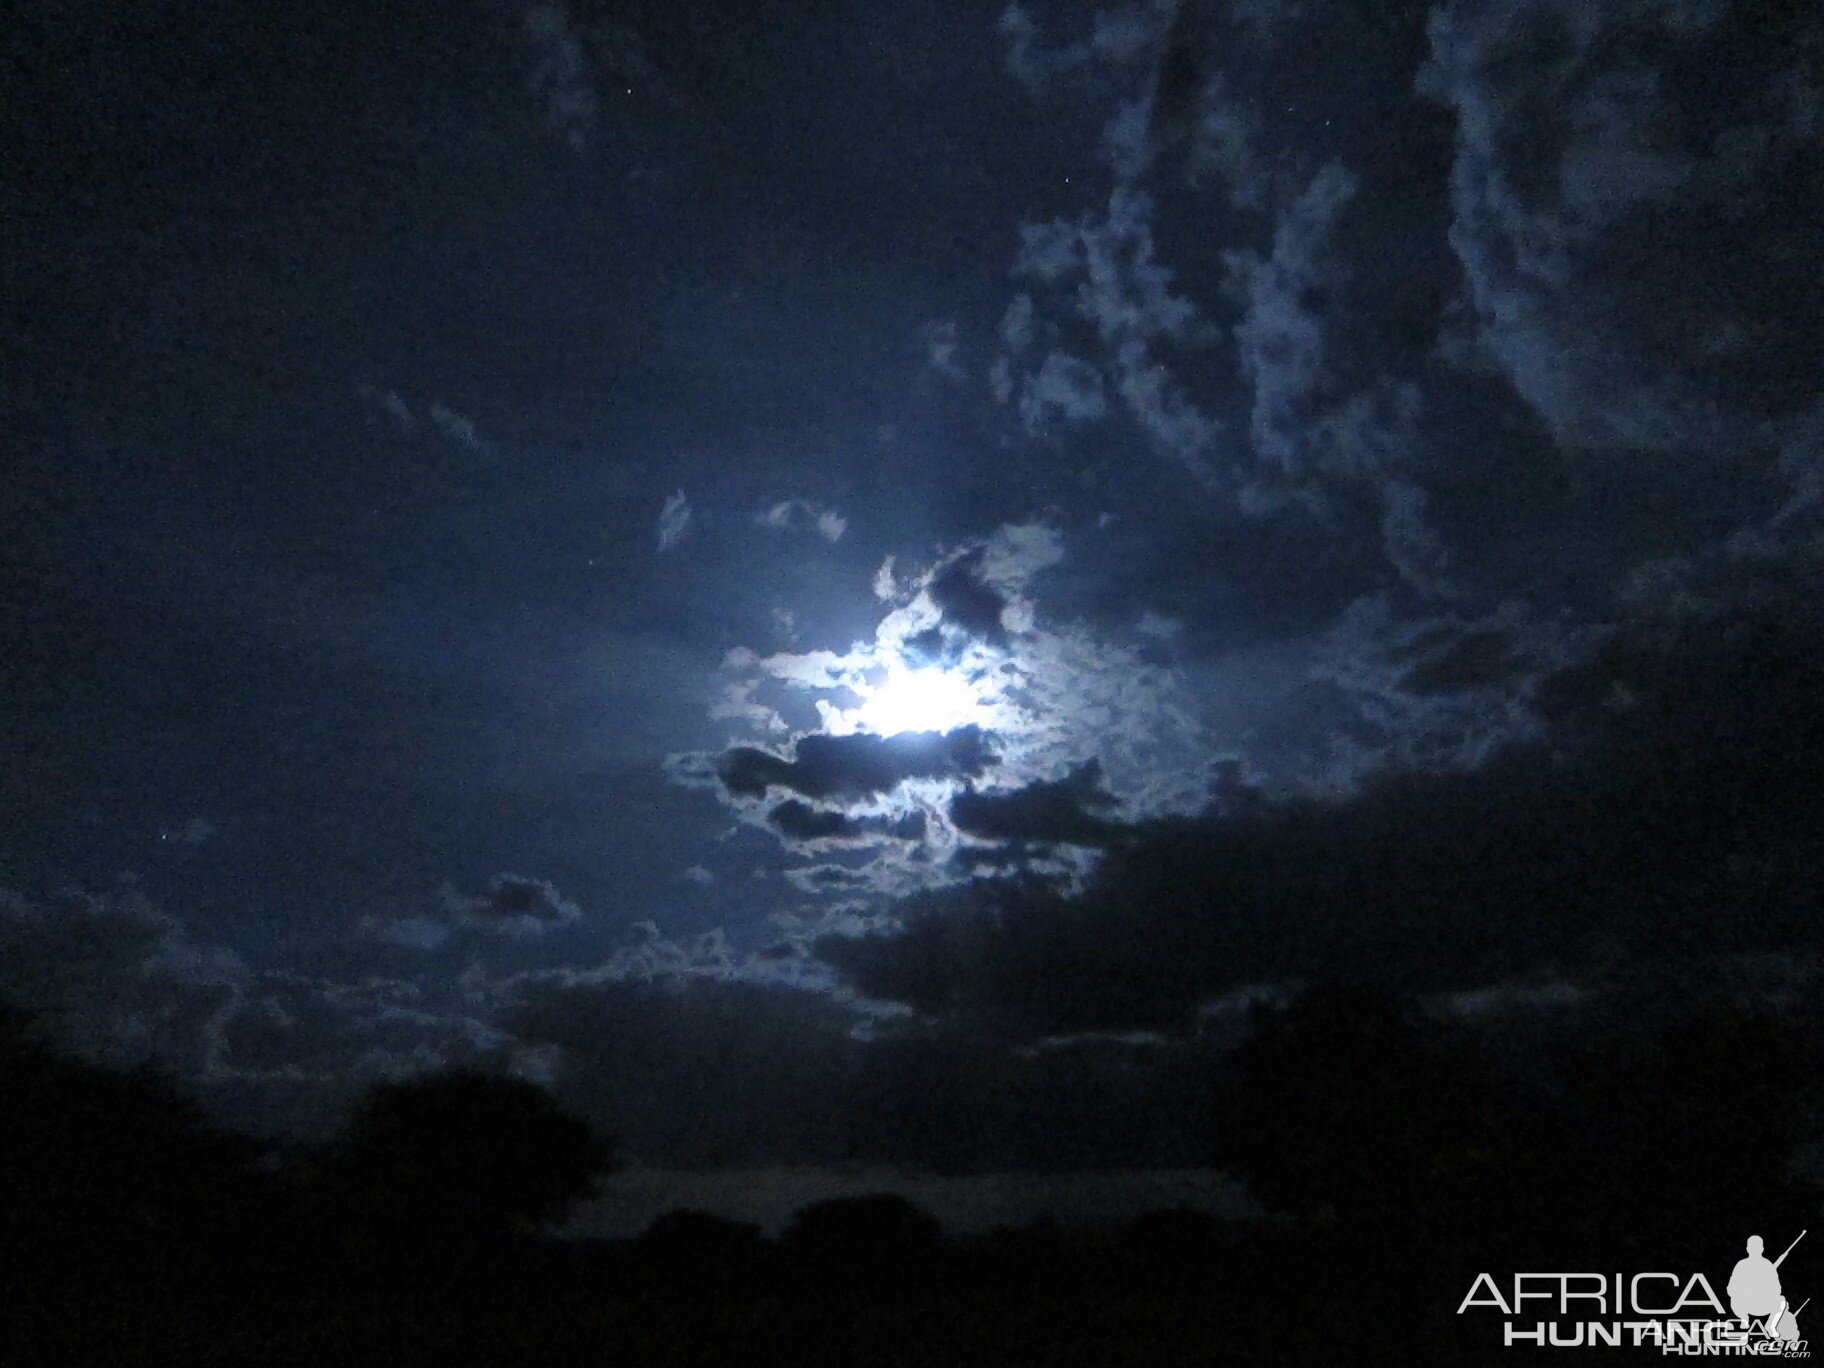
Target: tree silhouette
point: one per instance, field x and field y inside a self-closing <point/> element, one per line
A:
<point x="115" y="1191"/>
<point x="452" y="1168"/>
<point x="1344" y="1101"/>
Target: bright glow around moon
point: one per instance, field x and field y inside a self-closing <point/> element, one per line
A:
<point x="918" y="700"/>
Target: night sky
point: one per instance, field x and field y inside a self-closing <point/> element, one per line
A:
<point x="847" y="583"/>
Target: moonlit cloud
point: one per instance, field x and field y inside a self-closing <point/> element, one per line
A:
<point x="389" y="405"/>
<point x="195" y="832"/>
<point x="1025" y="58"/>
<point x="1281" y="338"/>
<point x="1116" y="36"/>
<point x="1532" y="247"/>
<point x="970" y="720"/>
<point x="453" y="428"/>
<point x="1127" y="294"/>
<point x="1064" y="388"/>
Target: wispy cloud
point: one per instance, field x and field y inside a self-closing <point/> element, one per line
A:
<point x="560" y="73"/>
<point x="674" y="521"/>
<point x="943" y="346"/>
<point x="790" y="515"/>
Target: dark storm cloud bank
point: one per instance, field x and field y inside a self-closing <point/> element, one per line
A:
<point x="1653" y="853"/>
<point x="689" y="1052"/>
<point x="707" y="1070"/>
<point x="1673" y="817"/>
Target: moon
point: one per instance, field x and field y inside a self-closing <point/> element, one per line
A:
<point x="922" y="699"/>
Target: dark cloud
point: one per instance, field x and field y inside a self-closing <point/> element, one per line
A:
<point x="325" y="1031"/>
<point x="1680" y="827"/>
<point x="1059" y="811"/>
<point x="800" y="821"/>
<point x="1470" y="660"/>
<point x="511" y="896"/>
<point x="510" y="906"/>
<point x="859" y="765"/>
<point x="965" y="599"/>
<point x="116" y="978"/>
<point x="696" y="1070"/>
<point x="837" y="878"/>
<point x="1446" y="690"/>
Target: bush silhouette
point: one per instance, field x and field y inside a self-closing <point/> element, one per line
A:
<point x="1705" y="1108"/>
<point x="868" y="1232"/>
<point x="1174" y="1239"/>
<point x="701" y="1250"/>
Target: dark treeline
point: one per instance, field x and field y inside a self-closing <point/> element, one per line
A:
<point x="1400" y="1152"/>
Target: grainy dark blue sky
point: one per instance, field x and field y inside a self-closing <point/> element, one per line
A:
<point x="528" y="529"/>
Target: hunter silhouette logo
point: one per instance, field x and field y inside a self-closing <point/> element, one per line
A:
<point x="1754" y="1293"/>
<point x="1678" y="1314"/>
